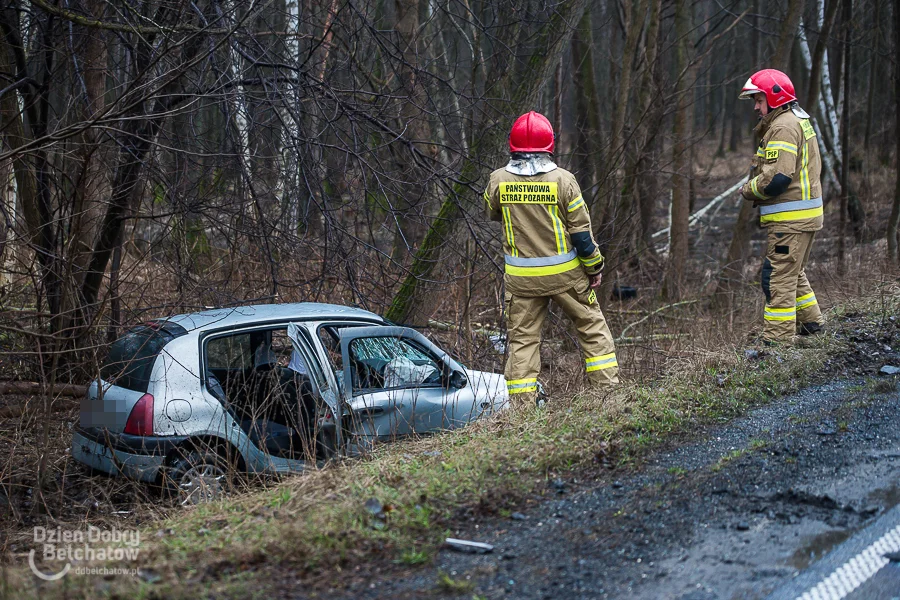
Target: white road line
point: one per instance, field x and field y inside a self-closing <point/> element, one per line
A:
<point x="857" y="570"/>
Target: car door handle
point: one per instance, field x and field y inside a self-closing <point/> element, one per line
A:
<point x="374" y="411"/>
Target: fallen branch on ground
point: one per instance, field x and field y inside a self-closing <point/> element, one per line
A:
<point x="443" y="326"/>
<point x="695" y="218"/>
<point x="640" y="339"/>
<point x="34" y="387"/>
<point x="657" y="311"/>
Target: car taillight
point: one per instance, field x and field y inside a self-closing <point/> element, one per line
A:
<point x="140" y="421"/>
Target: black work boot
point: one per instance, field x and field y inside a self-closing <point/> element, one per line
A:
<point x="541" y="397"/>
<point x="809" y="328"/>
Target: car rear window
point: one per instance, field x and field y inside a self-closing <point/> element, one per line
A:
<point x="131" y="357"/>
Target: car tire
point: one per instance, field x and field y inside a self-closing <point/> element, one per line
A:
<point x="198" y="476"/>
<point x="326" y="443"/>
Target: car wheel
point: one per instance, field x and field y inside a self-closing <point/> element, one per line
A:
<point x="198" y="477"/>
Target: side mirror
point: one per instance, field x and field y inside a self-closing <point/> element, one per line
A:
<point x="458" y="380"/>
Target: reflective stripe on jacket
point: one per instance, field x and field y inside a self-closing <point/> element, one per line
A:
<point x="785" y="183"/>
<point x="540" y="213"/>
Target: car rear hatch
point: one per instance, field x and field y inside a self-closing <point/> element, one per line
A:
<point x="125" y="376"/>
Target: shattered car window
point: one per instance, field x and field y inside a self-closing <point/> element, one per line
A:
<point x="389" y="362"/>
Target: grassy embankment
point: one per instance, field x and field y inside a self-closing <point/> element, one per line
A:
<point x="317" y="522"/>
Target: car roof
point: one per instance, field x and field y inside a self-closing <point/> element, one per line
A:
<point x="219" y="318"/>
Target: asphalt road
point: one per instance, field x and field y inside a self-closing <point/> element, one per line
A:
<point x="773" y="503"/>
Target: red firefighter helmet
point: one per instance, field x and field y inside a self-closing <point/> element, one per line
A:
<point x="531" y="132"/>
<point x="774" y="84"/>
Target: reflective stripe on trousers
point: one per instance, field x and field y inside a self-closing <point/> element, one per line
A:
<point x="780" y="314"/>
<point x="597" y="363"/>
<point x="519" y="386"/>
<point x="807" y="300"/>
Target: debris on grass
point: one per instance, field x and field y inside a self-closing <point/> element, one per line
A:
<point x="468" y="546"/>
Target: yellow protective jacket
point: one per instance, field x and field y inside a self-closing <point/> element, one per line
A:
<point x="548" y="242"/>
<point x="785" y="181"/>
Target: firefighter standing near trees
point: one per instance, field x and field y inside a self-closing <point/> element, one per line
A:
<point x="785" y="184"/>
<point x="550" y="254"/>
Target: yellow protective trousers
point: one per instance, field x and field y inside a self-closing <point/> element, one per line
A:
<point x="525" y="316"/>
<point x="790" y="299"/>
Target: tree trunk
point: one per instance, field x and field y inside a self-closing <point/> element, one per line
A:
<point x="845" y="133"/>
<point x="786" y="35"/>
<point x="680" y="208"/>
<point x="16" y="136"/>
<point x="619" y="207"/>
<point x="821" y="103"/>
<point x="894" y="220"/>
<point x="851" y="206"/>
<point x="650" y="113"/>
<point x="557" y="103"/>
<point x="410" y="204"/>
<point x="726" y="104"/>
<point x="818" y="59"/>
<point x="615" y="152"/>
<point x="755" y="37"/>
<point x="738" y="112"/>
<point x="94" y="181"/>
<point x="873" y="75"/>
<point x="135" y="145"/>
<point x="587" y="102"/>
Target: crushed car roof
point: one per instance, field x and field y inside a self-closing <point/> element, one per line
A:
<point x="239" y="315"/>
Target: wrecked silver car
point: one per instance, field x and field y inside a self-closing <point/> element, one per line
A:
<point x="184" y="401"/>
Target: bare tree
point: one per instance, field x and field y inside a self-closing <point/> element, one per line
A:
<point x="681" y="164"/>
<point x="893" y="254"/>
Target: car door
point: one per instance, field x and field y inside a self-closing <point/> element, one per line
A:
<point x="329" y="423"/>
<point x="302" y="344"/>
<point x="400" y="383"/>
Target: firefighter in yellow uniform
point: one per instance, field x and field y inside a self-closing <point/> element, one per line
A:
<point x="550" y="254"/>
<point x="785" y="185"/>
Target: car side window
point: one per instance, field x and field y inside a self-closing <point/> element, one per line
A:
<point x="231" y="352"/>
<point x="390" y="363"/>
<point x="281" y="347"/>
<point x="328" y="338"/>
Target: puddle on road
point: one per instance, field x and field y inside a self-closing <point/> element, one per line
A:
<point x="818" y="547"/>
<point x="823" y="543"/>
<point x="886" y="497"/>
